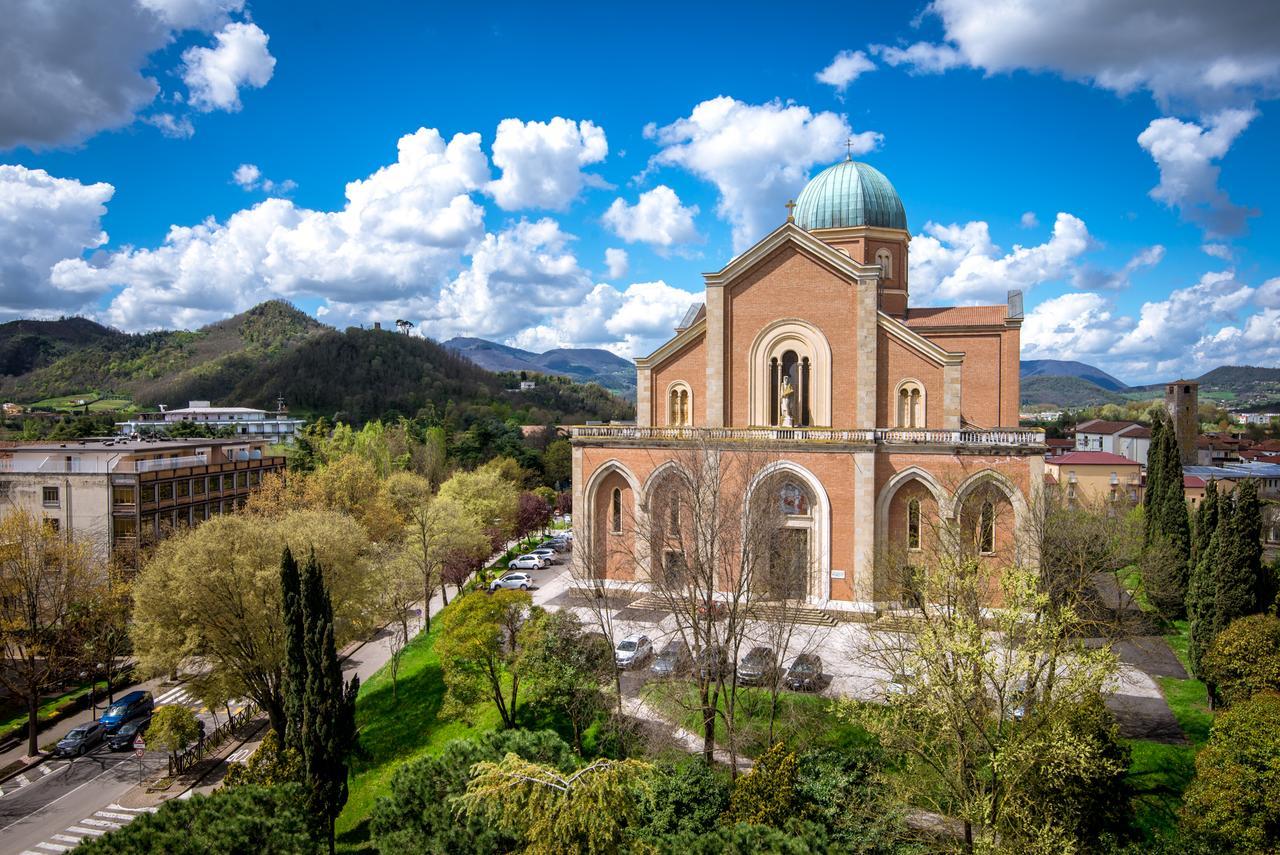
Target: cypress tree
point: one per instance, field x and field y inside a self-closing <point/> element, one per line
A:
<point x="295" y="667"/>
<point x="1155" y="456"/>
<point x="1202" y="605"/>
<point x="1240" y="563"/>
<point x="328" y="713"/>
<point x="1174" y="525"/>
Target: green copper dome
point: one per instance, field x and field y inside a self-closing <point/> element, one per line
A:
<point x="849" y="194"/>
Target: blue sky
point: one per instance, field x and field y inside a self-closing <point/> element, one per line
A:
<point x="562" y="176"/>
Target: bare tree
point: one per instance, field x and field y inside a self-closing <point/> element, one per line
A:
<point x="43" y="576"/>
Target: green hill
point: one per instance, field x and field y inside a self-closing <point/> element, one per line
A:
<point x="274" y="350"/>
<point x="1063" y="392"/>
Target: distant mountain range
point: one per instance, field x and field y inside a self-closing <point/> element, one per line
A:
<point x="1065" y="368"/>
<point x="274" y="350"/>
<point x="1065" y="384"/>
<point x="584" y="364"/>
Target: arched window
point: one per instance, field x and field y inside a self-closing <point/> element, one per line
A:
<point x="911" y="404"/>
<point x="987" y="529"/>
<point x="615" y="512"/>
<point x="790" y="361"/>
<point x="884" y="258"/>
<point x="673" y="515"/>
<point x="680" y="406"/>
<point x="913" y="524"/>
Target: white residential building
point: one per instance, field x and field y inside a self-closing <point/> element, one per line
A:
<point x="274" y="427"/>
<point x="1127" y="439"/>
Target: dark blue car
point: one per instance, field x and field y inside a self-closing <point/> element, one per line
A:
<point x="133" y="705"/>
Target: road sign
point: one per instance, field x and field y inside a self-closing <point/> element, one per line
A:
<point x="139" y="753"/>
<point x="139" y="744"/>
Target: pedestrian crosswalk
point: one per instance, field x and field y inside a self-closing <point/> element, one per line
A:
<point x="110" y="818"/>
<point x="17" y="782"/>
<point x="181" y="696"/>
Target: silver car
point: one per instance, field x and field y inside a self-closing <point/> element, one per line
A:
<point x="550" y="555"/>
<point x="632" y="651"/>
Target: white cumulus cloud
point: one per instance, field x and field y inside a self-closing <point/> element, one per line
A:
<point x="1092" y="277"/>
<point x="847" y="67"/>
<point x="629" y="322"/>
<point x="1029" y="220"/>
<point x="248" y="177"/>
<point x="656" y="218"/>
<point x="616" y="262"/>
<point x="921" y="57"/>
<point x="44" y="220"/>
<point x="1185" y="153"/>
<point x="216" y="75"/>
<point x="542" y="162"/>
<point x="757" y="155"/>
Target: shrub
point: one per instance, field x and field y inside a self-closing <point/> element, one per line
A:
<point x="419" y="814"/>
<point x="684" y="798"/>
<point x="845" y="793"/>
<point x="1234" y="799"/>
<point x="1245" y="658"/>
<point x="767" y="794"/>
<point x="795" y="838"/>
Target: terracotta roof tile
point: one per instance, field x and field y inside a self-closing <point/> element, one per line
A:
<point x="1098" y="426"/>
<point x="1092" y="458"/>
<point x="957" y="316"/>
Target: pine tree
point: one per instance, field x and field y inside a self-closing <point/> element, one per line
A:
<point x="1240" y="562"/>
<point x="1202" y="588"/>
<point x="1155" y="456"/>
<point x="295" y="674"/>
<point x="328" y="712"/>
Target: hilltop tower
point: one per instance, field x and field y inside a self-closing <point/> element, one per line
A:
<point x="1182" y="401"/>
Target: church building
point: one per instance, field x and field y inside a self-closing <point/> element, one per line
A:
<point x="881" y="420"/>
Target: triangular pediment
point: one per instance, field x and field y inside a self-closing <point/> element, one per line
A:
<point x="789" y="234"/>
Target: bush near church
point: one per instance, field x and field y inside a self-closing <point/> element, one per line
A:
<point x="1245" y="658"/>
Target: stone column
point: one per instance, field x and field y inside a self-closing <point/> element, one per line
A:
<point x="644" y="397"/>
<point x="864" y="526"/>
<point x="951" y="397"/>
<point x="868" y="331"/>
<point x="581" y="528"/>
<point x="716" y="415"/>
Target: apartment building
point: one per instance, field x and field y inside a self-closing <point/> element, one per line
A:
<point x="1093" y="475"/>
<point x="1127" y="439"/>
<point x="273" y="426"/>
<point x="120" y="494"/>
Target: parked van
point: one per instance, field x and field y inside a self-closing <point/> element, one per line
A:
<point x="131" y="706"/>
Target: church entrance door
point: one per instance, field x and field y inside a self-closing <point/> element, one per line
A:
<point x="788" y="575"/>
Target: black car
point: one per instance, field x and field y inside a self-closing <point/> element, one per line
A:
<point x="805" y="673"/>
<point x="713" y="662"/>
<point x="80" y="739"/>
<point x="122" y="739"/>
<point x="758" y="667"/>
<point x="673" y="661"/>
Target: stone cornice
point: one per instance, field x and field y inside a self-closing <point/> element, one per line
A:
<point x="685" y="337"/>
<point x="872" y="232"/>
<point x="791" y="233"/>
<point x="917" y="342"/>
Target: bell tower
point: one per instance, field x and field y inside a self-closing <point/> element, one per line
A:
<point x="1182" y="401"/>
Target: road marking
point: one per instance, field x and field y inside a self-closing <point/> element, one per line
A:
<point x="52" y="847"/>
<point x="22" y="780"/>
<point x="109" y="815"/>
<point x="100" y="823"/>
<point x="105" y="771"/>
<point x="135" y="810"/>
<point x="238" y="756"/>
<point x="65" y="838"/>
<point x="79" y="830"/>
<point x="45" y="770"/>
<point x="165" y="697"/>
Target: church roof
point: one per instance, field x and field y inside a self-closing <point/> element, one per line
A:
<point x="849" y="194"/>
<point x="956" y="316"/>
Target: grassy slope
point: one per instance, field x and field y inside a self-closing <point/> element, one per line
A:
<point x="393" y="732"/>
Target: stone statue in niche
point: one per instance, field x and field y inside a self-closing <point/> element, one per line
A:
<point x="786" y="398"/>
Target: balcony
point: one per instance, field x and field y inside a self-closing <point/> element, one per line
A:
<point x="880" y="436"/>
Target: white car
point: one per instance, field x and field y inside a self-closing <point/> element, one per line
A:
<point x="523" y="581"/>
<point x="632" y="651"/>
<point x="528" y="562"/>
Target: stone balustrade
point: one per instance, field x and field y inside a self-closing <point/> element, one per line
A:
<point x="879" y="436"/>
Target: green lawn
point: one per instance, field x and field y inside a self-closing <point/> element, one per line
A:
<point x="14" y="720"/>
<point x="97" y="402"/>
<point x="393" y="732"/>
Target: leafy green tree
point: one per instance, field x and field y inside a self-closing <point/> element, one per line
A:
<point x="1172" y="520"/>
<point x="1234" y="799"/>
<point x="295" y="651"/>
<point x="246" y="820"/>
<point x="173" y="728"/>
<point x="587" y="811"/>
<point x="1246" y="553"/>
<point x="1245" y="658"/>
<point x="557" y="462"/>
<point x="1165" y="579"/>
<point x="767" y="794"/>
<point x="478" y="648"/>
<point x="270" y="764"/>
<point x="565" y="669"/>
<point x="684" y="798"/>
<point x="486" y="495"/>
<point x="846" y="792"/>
<point x="1239" y="558"/>
<point x="418" y="816"/>
<point x="328" y="732"/>
<point x="1151" y="504"/>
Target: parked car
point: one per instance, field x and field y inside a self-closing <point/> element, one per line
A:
<point x="632" y="651"/>
<point x="551" y="556"/>
<point x="523" y="581"/>
<point x="713" y="662"/>
<point x="559" y="544"/>
<point x="899" y="684"/>
<point x="80" y="739"/>
<point x="805" y="673"/>
<point x="673" y="661"/>
<point x="716" y="609"/>
<point x="133" y="705"/>
<point x="528" y="562"/>
<point x="758" y="667"/>
<point x="122" y="739"/>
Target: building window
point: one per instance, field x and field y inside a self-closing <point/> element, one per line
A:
<point x="121" y="495"/>
<point x="910" y="404"/>
<point x="680" y="406"/>
<point x="49" y="496"/>
<point x="913" y="524"/>
<point x="53" y="524"/>
<point x="673" y="516"/>
<point x="885" y="259"/>
<point x="987" y="529"/>
<point x="615" y="513"/>
<point x="165" y="490"/>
